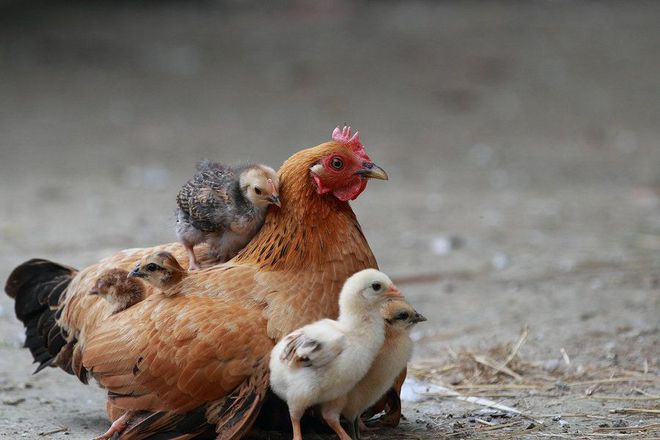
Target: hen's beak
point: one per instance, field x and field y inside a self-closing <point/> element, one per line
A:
<point x="136" y="273"/>
<point x="393" y="292"/>
<point x="275" y="200"/>
<point x="370" y="170"/>
<point x="418" y="318"/>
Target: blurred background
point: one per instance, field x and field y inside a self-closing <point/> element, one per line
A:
<point x="521" y="139"/>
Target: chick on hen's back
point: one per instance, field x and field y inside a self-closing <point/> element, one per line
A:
<point x="225" y="206"/>
<point x="161" y="270"/>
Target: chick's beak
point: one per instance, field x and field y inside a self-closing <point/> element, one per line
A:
<point x="418" y="318"/>
<point x="370" y="170"/>
<point x="94" y="291"/>
<point x="393" y="292"/>
<point x="137" y="273"/>
<point x="275" y="200"/>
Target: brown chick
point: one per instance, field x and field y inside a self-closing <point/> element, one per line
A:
<point x="400" y="317"/>
<point x="116" y="287"/>
<point x="161" y="270"/>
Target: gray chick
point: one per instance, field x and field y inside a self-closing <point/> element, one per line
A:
<point x="225" y="207"/>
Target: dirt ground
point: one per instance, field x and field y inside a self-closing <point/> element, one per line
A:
<point x="522" y="145"/>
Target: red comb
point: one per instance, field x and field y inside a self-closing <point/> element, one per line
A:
<point x="353" y="142"/>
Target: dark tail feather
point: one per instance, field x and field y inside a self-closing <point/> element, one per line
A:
<point x="37" y="287"/>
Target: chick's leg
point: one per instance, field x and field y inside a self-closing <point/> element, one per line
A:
<point x="192" y="260"/>
<point x="117" y="426"/>
<point x="362" y="427"/>
<point x="353" y="430"/>
<point x="330" y="413"/>
<point x="295" y="423"/>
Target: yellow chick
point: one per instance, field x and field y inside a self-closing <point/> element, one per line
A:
<point x="321" y="362"/>
<point x="400" y="317"/>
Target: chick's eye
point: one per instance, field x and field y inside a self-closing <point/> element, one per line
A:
<point x="337" y="163"/>
<point x="403" y="316"/>
<point x="376" y="286"/>
<point x="151" y="267"/>
<point x="258" y="191"/>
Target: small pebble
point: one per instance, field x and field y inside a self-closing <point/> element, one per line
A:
<point x="444" y="245"/>
<point x="561" y="386"/>
<point x="500" y="261"/>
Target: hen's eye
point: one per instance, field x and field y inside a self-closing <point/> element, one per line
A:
<point x="151" y="267"/>
<point x="258" y="191"/>
<point x="337" y="163"/>
<point x="376" y="286"/>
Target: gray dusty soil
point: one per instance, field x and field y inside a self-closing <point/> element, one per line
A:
<point x="521" y="141"/>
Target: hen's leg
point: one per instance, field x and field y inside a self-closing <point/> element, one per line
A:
<point x="117" y="426"/>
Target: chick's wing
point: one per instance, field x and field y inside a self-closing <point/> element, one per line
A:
<point x="206" y="197"/>
<point x="313" y="346"/>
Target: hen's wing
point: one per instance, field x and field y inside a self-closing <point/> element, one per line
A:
<point x="313" y="346"/>
<point x="207" y="196"/>
<point x="177" y="353"/>
<point x="228" y="418"/>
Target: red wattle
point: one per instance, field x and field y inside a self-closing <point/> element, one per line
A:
<point x="352" y="191"/>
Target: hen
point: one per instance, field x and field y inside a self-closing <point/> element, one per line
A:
<point x="224" y="206"/>
<point x="200" y="359"/>
<point x="320" y="363"/>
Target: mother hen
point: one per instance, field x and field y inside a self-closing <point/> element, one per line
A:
<point x="201" y="356"/>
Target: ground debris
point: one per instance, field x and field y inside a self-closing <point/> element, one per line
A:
<point x="14" y="402"/>
<point x="501" y="373"/>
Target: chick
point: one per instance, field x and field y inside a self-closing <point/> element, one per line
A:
<point x="321" y="362"/>
<point x="225" y="207"/>
<point x="400" y="317"/>
<point x="115" y="286"/>
<point x="161" y="270"/>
